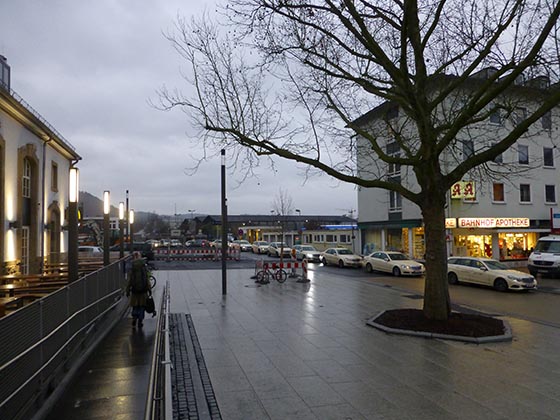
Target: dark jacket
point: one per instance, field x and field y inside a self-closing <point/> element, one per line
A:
<point x="137" y="299"/>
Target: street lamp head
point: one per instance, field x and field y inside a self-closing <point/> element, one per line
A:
<point x="106" y="203"/>
<point x="121" y="210"/>
<point x="131" y="216"/>
<point x="74" y="185"/>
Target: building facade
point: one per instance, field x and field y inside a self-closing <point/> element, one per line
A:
<point x="34" y="165"/>
<point x="498" y="212"/>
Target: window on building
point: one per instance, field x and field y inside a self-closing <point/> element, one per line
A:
<point x="496" y="117"/>
<point x="468" y="149"/>
<point x="525" y="193"/>
<point x="519" y="115"/>
<point x="393" y="149"/>
<point x="395" y="201"/>
<point x="26" y="179"/>
<point x="498" y="194"/>
<point x="54" y="176"/>
<point x="345" y="239"/>
<point x="330" y="238"/>
<point x="550" y="194"/>
<point x="523" y="154"/>
<point x="318" y="238"/>
<point x="499" y="158"/>
<point x="548" y="156"/>
<point x="546" y="121"/>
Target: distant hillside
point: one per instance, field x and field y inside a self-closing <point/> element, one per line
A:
<point x="93" y="207"/>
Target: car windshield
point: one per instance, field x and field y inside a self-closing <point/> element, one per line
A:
<point x="398" y="257"/>
<point x="308" y="248"/>
<point x="495" y="265"/>
<point x="344" y="252"/>
<point x="548" y="246"/>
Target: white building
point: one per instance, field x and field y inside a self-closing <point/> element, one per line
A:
<point x="508" y="211"/>
<point x="34" y="165"/>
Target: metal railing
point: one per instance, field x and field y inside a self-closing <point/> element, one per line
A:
<point x="39" y="342"/>
<point x="159" y="404"/>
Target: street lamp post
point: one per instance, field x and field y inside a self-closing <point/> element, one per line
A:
<point x="106" y="227"/>
<point x="299" y="226"/>
<point x="131" y="221"/>
<point x="73" y="193"/>
<point x="121" y="229"/>
<point x="224" y="224"/>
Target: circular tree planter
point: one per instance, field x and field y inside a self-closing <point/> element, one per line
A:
<point x="470" y="328"/>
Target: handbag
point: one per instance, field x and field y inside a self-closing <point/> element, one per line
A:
<point x="150" y="306"/>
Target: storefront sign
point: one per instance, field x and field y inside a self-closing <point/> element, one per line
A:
<point x="555" y="220"/>
<point x="493" y="222"/>
<point x="463" y="189"/>
<point x="450" y="223"/>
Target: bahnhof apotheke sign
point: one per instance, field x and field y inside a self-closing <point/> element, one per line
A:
<point x="493" y="222"/>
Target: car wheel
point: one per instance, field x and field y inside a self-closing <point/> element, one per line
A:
<point x="452" y="278"/>
<point x="500" y="285"/>
<point x="324" y="261"/>
<point x="369" y="268"/>
<point x="341" y="263"/>
<point x="396" y="271"/>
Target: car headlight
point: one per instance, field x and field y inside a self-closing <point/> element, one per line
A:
<point x="514" y="278"/>
<point x="405" y="266"/>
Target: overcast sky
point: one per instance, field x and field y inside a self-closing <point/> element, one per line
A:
<point x="90" y="68"/>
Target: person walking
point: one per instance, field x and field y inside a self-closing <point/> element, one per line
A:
<point x="138" y="289"/>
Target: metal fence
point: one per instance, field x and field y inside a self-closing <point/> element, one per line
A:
<point x="159" y="404"/>
<point x="40" y="342"/>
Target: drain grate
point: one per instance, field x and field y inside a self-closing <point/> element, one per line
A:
<point x="193" y="395"/>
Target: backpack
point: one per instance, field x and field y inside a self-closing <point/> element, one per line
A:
<point x="139" y="280"/>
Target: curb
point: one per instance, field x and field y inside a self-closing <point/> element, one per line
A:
<point x="506" y="336"/>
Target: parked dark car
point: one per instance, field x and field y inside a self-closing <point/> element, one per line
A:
<point x="197" y="243"/>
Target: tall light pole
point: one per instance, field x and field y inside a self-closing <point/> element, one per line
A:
<point x="224" y="225"/>
<point x="106" y="227"/>
<point x="121" y="229"/>
<point x="298" y="226"/>
<point x="131" y="221"/>
<point x="73" y="195"/>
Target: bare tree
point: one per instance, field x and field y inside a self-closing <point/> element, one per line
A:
<point x="296" y="79"/>
<point x="283" y="206"/>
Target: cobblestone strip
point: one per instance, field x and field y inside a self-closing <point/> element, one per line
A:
<point x="213" y="408"/>
<point x="184" y="401"/>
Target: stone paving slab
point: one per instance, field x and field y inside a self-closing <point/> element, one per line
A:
<point x="303" y="351"/>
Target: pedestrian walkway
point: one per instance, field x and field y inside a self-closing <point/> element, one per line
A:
<point x="303" y="351"/>
<point x="113" y="382"/>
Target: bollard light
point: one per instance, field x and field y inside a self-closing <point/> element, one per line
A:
<point x="106" y="228"/>
<point x="73" y="195"/>
<point x="121" y="229"/>
<point x="131" y="221"/>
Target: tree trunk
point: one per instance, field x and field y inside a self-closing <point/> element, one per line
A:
<point x="436" y="291"/>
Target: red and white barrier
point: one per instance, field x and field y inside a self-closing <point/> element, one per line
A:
<point x="261" y="265"/>
<point x="195" y="254"/>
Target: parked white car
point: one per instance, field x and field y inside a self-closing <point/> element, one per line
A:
<point x="395" y="263"/>
<point x="90" y="250"/>
<point x="488" y="272"/>
<point x="307" y="252"/>
<point x="260" y="247"/>
<point x="277" y="248"/>
<point x="243" y="244"/>
<point x="342" y="257"/>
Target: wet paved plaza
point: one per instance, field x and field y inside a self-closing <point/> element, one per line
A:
<point x="303" y="351"/>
